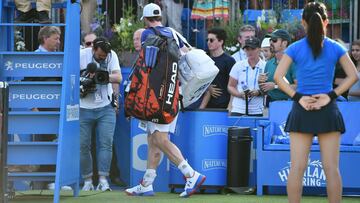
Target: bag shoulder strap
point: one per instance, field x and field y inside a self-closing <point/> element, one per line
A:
<point x="178" y="36"/>
<point x="157" y="32"/>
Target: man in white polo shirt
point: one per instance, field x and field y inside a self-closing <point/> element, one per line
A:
<point x="245" y="32"/>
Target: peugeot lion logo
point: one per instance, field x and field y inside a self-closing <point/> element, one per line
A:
<point x="9" y="65"/>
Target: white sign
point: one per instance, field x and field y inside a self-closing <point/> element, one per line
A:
<point x="9" y="65"/>
<point x="72" y="112"/>
<point x="24" y="96"/>
<point x="214" y="164"/>
<point x="211" y="130"/>
<point x="314" y="174"/>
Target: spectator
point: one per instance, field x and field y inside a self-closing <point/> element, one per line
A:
<point x="96" y="110"/>
<point x="354" y="93"/>
<point x="217" y="95"/>
<point x="340" y="74"/>
<point x="89" y="39"/>
<point x="28" y="15"/>
<point x="137" y="39"/>
<point x="314" y="110"/>
<point x="266" y="52"/>
<point x="49" y="39"/>
<point x="244" y="80"/>
<point x="245" y="32"/>
<point x="158" y="134"/>
<point x="280" y="40"/>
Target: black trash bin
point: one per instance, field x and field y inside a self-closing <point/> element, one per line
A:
<point x="238" y="161"/>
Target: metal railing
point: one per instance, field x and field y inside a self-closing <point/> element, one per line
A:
<point x="195" y="30"/>
<point x="343" y="22"/>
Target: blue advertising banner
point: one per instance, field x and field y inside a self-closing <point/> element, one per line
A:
<point x="31" y="120"/>
<point x="138" y="160"/>
<point x="130" y="141"/>
<point x="32" y="94"/>
<point x="278" y="155"/>
<point x="32" y="64"/>
<point x="202" y="138"/>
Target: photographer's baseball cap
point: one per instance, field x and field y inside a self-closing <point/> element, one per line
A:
<point x="252" y="43"/>
<point x="151" y="10"/>
<point x="280" y="33"/>
<point x="265" y="42"/>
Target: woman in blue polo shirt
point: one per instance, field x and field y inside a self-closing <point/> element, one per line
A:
<point x="314" y="109"/>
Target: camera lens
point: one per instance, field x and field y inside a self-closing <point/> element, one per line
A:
<point x="102" y="77"/>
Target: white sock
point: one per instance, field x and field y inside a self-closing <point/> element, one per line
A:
<point x="88" y="180"/>
<point x="149" y="177"/>
<point x="102" y="179"/>
<point x="186" y="169"/>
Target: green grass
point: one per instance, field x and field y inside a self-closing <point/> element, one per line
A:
<point x="119" y="197"/>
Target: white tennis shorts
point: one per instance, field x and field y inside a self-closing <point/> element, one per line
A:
<point x="152" y="127"/>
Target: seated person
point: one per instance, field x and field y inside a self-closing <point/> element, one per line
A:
<point x="28" y="15"/>
<point x="49" y="40"/>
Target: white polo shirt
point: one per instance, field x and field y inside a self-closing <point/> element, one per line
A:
<point x="239" y="55"/>
<point x="102" y="97"/>
<point x="243" y="73"/>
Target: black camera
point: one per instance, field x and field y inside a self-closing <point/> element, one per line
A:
<point x="90" y="77"/>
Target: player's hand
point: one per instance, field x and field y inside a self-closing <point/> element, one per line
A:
<point x="307" y="102"/>
<point x="321" y="101"/>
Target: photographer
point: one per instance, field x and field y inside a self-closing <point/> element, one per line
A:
<point x="100" y="71"/>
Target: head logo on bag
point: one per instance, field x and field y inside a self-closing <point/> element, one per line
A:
<point x="172" y="85"/>
<point x="154" y="89"/>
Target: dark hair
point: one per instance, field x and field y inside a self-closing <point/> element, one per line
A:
<point x="87" y="34"/>
<point x="314" y="14"/>
<point x="103" y="44"/>
<point x="154" y="19"/>
<point x="357" y="43"/>
<point x="219" y="33"/>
